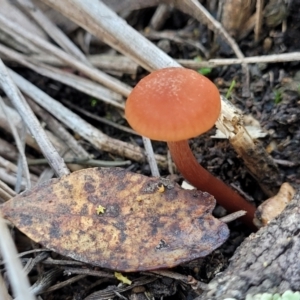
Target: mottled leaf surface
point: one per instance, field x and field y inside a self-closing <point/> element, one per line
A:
<point x="143" y="223"/>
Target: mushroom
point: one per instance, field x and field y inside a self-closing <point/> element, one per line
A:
<point x="174" y="105"/>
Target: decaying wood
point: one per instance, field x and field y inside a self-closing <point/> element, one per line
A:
<point x="259" y="163"/>
<point x="267" y="261"/>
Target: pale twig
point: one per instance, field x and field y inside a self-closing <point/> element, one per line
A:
<point x="109" y="62"/>
<point x="53" y="31"/>
<point x="20" y="147"/>
<point x="273" y="58"/>
<point x="21" y="164"/>
<point x="31" y="121"/>
<point x="10" y="179"/>
<point x="232" y="217"/>
<point x="259" y="19"/>
<point x="93" y="73"/>
<point x="12" y="169"/>
<point x="84" y="161"/>
<point x="17" y="277"/>
<point x="194" y="64"/>
<point x="4" y="295"/>
<point x="84" y="129"/>
<point x="160" y="16"/>
<point x="4" y="196"/>
<point x="7" y="189"/>
<point x="150" y="157"/>
<point x="7" y="150"/>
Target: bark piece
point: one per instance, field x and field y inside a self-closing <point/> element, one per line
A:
<point x="266" y="262"/>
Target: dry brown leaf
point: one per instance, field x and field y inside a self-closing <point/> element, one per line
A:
<point x="140" y="226"/>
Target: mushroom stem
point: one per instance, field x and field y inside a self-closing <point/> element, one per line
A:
<point x="192" y="171"/>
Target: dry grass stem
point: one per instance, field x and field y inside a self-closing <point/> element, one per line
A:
<point x="12" y="169"/>
<point x="150" y="157"/>
<point x="160" y="16"/>
<point x="16" y="274"/>
<point x="3" y="290"/>
<point x="273" y="58"/>
<point x="117" y="63"/>
<point x="10" y="179"/>
<point x="259" y="19"/>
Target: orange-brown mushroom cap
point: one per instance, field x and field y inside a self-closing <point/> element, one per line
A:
<point x="173" y="104"/>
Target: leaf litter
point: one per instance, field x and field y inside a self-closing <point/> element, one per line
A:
<point x="141" y="226"/>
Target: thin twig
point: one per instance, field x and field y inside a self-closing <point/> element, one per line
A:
<point x="231" y="217"/>
<point x="150" y="157"/>
<point x="4" y="295"/>
<point x="17" y="277"/>
<point x="83" y="161"/>
<point x="20" y="147"/>
<point x="21" y="164"/>
<point x="7" y="189"/>
<point x="273" y="58"/>
<point x="259" y="19"/>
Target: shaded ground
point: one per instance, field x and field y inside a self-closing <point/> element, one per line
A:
<point x="274" y="102"/>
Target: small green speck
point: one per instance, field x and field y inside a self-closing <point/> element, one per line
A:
<point x="94" y="102"/>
